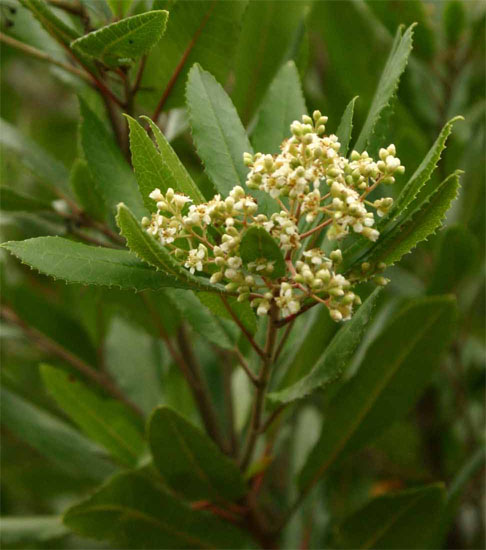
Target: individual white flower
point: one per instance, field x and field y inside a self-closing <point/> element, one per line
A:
<point x="195" y="258"/>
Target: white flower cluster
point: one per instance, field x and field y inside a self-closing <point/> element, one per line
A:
<point x="313" y="187"/>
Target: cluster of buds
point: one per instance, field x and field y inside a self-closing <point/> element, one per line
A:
<point x="315" y="189"/>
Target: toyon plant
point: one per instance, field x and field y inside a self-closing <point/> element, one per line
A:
<point x="224" y="349"/>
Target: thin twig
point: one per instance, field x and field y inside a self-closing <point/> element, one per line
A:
<point x="53" y="347"/>
<point x="244" y="364"/>
<point x="275" y="414"/>
<point x="138" y="77"/>
<point x="264" y="376"/>
<point x="291" y="318"/>
<point x="243" y="329"/>
<point x="42" y="56"/>
<point x="281" y="344"/>
<point x="180" y="65"/>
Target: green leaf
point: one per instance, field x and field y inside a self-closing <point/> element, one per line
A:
<point x="148" y="249"/>
<point x="158" y="168"/>
<point x="395" y="369"/>
<point x="256" y="244"/>
<point x="30" y="529"/>
<point x="267" y="35"/>
<point x="39" y="162"/>
<point x="422" y="175"/>
<point x="454" y="20"/>
<point x="211" y="328"/>
<point x="120" y="7"/>
<point x="203" y="31"/>
<point x="417" y="226"/>
<point x="86" y="191"/>
<point x="75" y="262"/>
<point x="129" y="38"/>
<point x="53" y="438"/>
<point x="132" y="361"/>
<point x="54" y="26"/>
<point x="242" y="310"/>
<point x="189" y="462"/>
<point x="345" y="128"/>
<point x="13" y="201"/>
<point x="129" y="505"/>
<point x="335" y="358"/>
<point x="388" y="84"/>
<point x="395" y="521"/>
<point x="457" y="258"/>
<point x="111" y="172"/>
<point x="283" y="103"/>
<point x="218" y="133"/>
<point x="106" y="421"/>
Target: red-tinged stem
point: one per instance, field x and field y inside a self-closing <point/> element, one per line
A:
<point x="180" y="65"/>
<point x="317" y="228"/>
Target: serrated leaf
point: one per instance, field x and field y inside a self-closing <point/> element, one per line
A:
<point x="418" y="225"/>
<point x="335" y="358"/>
<point x="86" y="191"/>
<point x="256" y="244"/>
<point x="268" y="32"/>
<point x="203" y="31"/>
<point x="283" y="103"/>
<point x="130" y="504"/>
<point x="148" y="249"/>
<point x="13" y="201"/>
<point x="388" y="84"/>
<point x="158" y="168"/>
<point x="53" y="438"/>
<point x="394" y="371"/>
<point x="218" y="134"/>
<point x="28" y="530"/>
<point x="75" y="262"/>
<point x="129" y="38"/>
<point x="345" y="127"/>
<point x="422" y="175"/>
<point x="39" y="162"/>
<point x="111" y="172"/>
<point x="189" y="462"/>
<point x="105" y="421"/>
<point x="242" y="310"/>
<point x="394" y="521"/>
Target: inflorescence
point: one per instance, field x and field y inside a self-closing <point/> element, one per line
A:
<point x="315" y="189"/>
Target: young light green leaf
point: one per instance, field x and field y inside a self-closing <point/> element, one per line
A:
<point x="30" y="530"/>
<point x="268" y="33"/>
<point x="151" y="251"/>
<point x="106" y="421"/>
<point x="13" y="201"/>
<point x="394" y="371"/>
<point x="418" y="225"/>
<point x="421" y="176"/>
<point x="75" y="262"/>
<point x="394" y="521"/>
<point x="39" y="162"/>
<point x="130" y="504"/>
<point x="257" y="244"/>
<point x="345" y="128"/>
<point x="283" y="103"/>
<point x="388" y="84"/>
<point x="129" y="38"/>
<point x="156" y="169"/>
<point x="334" y="359"/>
<point x="185" y="183"/>
<point x="205" y="32"/>
<point x="109" y="169"/>
<point x="189" y="462"/>
<point x="53" y="438"/>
